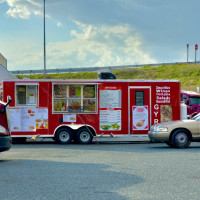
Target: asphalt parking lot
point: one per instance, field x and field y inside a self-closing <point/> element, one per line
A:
<point x="105" y="170"/>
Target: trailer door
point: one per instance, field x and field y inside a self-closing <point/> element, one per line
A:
<point x="139" y="110"/>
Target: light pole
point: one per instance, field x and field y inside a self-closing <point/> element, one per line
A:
<point x="187" y="52"/>
<point x="44" y="43"/>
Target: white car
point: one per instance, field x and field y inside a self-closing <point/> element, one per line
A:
<point x="177" y="134"/>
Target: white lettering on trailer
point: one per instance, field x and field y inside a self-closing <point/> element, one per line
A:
<point x="155" y="121"/>
<point x="162" y="88"/>
<point x="156" y="114"/>
<point x="163" y="94"/>
<point x="164" y="98"/>
<point x="156" y="108"/>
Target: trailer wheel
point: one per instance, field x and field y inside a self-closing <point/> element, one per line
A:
<point x="83" y="136"/>
<point x="180" y="139"/>
<point x="63" y="136"/>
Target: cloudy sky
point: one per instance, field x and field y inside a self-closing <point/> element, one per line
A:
<point x="88" y="33"/>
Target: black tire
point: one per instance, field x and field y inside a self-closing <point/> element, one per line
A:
<point x="64" y="136"/>
<point x="181" y="139"/>
<point x="83" y="136"/>
<point x="169" y="144"/>
<point x="20" y="140"/>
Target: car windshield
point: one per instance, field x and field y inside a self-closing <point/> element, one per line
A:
<point x="196" y="117"/>
<point x="195" y="100"/>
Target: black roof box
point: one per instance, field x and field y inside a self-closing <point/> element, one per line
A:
<point x="106" y="75"/>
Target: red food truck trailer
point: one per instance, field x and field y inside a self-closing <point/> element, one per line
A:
<point x="79" y="110"/>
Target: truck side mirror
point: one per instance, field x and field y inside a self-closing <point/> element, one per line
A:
<point x="4" y="108"/>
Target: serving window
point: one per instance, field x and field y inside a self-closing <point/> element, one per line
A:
<point x="74" y="98"/>
<point x="27" y="95"/>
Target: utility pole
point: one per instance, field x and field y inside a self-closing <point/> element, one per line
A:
<point x="187" y="52"/>
<point x="44" y="43"/>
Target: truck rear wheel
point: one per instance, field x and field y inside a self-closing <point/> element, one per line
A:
<point x="84" y="136"/>
<point x="63" y="136"/>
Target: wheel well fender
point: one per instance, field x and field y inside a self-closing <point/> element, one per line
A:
<point x="90" y="128"/>
<point x="75" y="128"/>
<point x="62" y="127"/>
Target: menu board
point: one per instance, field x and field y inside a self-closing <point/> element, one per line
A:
<point x="140" y="117"/>
<point x="15" y="119"/>
<point x="110" y="108"/>
<point x="110" y="98"/>
<point x="110" y="119"/>
<point x="28" y="118"/>
<point x="42" y="118"/>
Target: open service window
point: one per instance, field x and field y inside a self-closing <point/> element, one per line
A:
<point x="26" y="95"/>
<point x="74" y="98"/>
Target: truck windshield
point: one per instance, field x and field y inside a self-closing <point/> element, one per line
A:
<point x="195" y="100"/>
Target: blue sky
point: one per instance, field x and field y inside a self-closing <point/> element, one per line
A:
<point x="98" y="32"/>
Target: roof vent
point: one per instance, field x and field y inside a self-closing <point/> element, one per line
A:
<point x="106" y="75"/>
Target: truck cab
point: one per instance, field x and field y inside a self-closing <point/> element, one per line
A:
<point x="192" y="100"/>
<point x="5" y="138"/>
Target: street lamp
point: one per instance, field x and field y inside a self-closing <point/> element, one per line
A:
<point x="187" y="52"/>
<point x="44" y="43"/>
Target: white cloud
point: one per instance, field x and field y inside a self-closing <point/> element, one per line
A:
<point x="23" y="8"/>
<point x="59" y="24"/>
<point x="98" y="46"/>
<point x="91" y="46"/>
<point x="23" y="54"/>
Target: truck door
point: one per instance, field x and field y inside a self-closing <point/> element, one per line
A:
<point x="139" y="110"/>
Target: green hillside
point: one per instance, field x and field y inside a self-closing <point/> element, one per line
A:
<point x="188" y="74"/>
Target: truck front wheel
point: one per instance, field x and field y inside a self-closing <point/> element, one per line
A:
<point x="63" y="136"/>
<point x="84" y="136"/>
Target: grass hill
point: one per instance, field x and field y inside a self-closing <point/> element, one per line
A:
<point x="188" y="74"/>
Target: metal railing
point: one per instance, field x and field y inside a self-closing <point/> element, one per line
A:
<point x="91" y="69"/>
